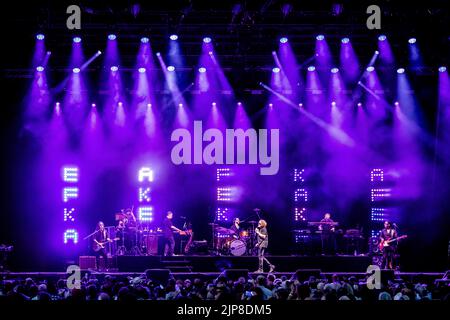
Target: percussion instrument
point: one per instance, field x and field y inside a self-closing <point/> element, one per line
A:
<point x="238" y="247"/>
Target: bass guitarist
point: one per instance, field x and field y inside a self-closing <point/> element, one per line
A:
<point x="388" y="233"/>
<point x="101" y="238"/>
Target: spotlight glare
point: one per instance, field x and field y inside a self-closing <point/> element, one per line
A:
<point x="334" y="70"/>
<point x="345" y="40"/>
<point x="412" y="40"/>
<point x="40" y="68"/>
<point x="112" y="37"/>
<point x="99" y="52"/>
<point x="270" y="105"/>
<point x="333" y="103"/>
<point x="149" y="105"/>
<point x="359" y="104"/>
<point x="400" y="70"/>
<point x="300" y="104"/>
<point x="145" y="40"/>
<point x="311" y="68"/>
<point x="141" y="70"/>
<point x="206" y="39"/>
<point x="170" y="68"/>
<point x="370" y="69"/>
<point x="76" y="70"/>
<point x="93" y="105"/>
<point x="202" y="69"/>
<point x="173" y="37"/>
<point x="77" y="39"/>
<point x="40" y="36"/>
<point x="180" y="105"/>
<point x="276" y="70"/>
<point x="320" y="37"/>
<point x="114" y="68"/>
<point x="239" y="103"/>
<point x="213" y="104"/>
<point x="283" y="40"/>
<point x="397" y="103"/>
<point x="382" y="37"/>
<point x="442" y="69"/>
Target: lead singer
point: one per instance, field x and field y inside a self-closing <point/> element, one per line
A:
<point x="263" y="243"/>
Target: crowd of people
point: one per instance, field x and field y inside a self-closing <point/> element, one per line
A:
<point x="262" y="288"/>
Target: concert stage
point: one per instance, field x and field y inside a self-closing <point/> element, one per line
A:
<point x="219" y="263"/>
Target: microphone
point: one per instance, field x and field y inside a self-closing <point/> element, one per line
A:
<point x="395" y="226"/>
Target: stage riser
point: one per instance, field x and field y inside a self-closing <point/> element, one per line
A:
<point x="217" y="264"/>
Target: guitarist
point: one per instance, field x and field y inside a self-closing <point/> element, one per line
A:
<point x="387" y="234"/>
<point x="100" y="239"/>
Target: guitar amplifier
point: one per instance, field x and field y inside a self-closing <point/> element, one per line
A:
<point x="87" y="262"/>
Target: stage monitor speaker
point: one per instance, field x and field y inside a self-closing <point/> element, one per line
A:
<point x="235" y="274"/>
<point x="387" y="275"/>
<point x="87" y="262"/>
<point x="305" y="274"/>
<point x="160" y="276"/>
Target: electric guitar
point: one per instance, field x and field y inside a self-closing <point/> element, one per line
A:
<point x="386" y="243"/>
<point x="101" y="245"/>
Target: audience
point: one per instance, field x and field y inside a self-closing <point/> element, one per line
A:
<point x="262" y="288"/>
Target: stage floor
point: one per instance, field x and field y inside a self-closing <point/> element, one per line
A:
<point x="339" y="263"/>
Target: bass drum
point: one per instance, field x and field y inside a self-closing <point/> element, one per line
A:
<point x="238" y="248"/>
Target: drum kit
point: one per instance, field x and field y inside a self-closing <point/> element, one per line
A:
<point x="229" y="242"/>
<point x="133" y="238"/>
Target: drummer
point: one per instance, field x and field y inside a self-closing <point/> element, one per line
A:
<point x="130" y="219"/>
<point x="235" y="228"/>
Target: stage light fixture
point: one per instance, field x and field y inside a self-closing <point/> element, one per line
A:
<point x="114" y="68"/>
<point x="77" y="39"/>
<point x="370" y="69"/>
<point x="202" y="69"/>
<point x="112" y="37"/>
<point x="276" y="70"/>
<point x="283" y="40"/>
<point x="396" y="103"/>
<point x="170" y="68"/>
<point x="311" y="68"/>
<point x="320" y="37"/>
<point x="400" y="70"/>
<point x="145" y="40"/>
<point x="206" y="39"/>
<point x="173" y="37"/>
<point x="442" y="69"/>
<point x="334" y="70"/>
<point x="345" y="40"/>
<point x="412" y="40"/>
<point x="333" y="103"/>
<point x="40" y="68"/>
<point x="141" y="70"/>
<point x="180" y="105"/>
<point x="359" y="104"/>
<point x="40" y="36"/>
<point x="213" y="104"/>
<point x="93" y="105"/>
<point x="382" y="37"/>
<point x="76" y="70"/>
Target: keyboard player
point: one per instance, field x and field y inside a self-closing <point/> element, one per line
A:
<point x="328" y="237"/>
